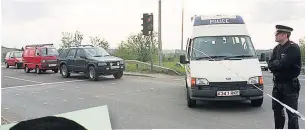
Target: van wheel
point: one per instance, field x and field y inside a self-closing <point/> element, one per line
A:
<point x="7" y="66"/>
<point x="118" y="75"/>
<point x="257" y="102"/>
<point x="93" y="76"/>
<point x="37" y="70"/>
<point x="64" y="71"/>
<point x="190" y="102"/>
<point x="26" y="69"/>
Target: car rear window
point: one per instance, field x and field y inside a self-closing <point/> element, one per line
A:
<point x="18" y="54"/>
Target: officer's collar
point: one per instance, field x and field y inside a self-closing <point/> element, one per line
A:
<point x="285" y="43"/>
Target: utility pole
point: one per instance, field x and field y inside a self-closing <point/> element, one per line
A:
<point x="182" y="24"/>
<point x="159" y="35"/>
<point x="151" y="51"/>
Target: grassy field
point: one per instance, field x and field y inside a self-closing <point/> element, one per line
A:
<point x="133" y="67"/>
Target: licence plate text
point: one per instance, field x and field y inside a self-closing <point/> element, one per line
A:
<point x="228" y="93"/>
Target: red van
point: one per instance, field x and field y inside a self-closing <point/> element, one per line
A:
<point x="13" y="58"/>
<point x="40" y="58"/>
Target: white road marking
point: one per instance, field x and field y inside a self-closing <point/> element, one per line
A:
<point x="22" y="79"/>
<point x="23" y="86"/>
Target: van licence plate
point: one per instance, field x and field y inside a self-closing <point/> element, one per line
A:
<point x="228" y="93"/>
<point x="51" y="65"/>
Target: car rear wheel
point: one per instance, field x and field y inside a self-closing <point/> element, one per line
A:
<point x="26" y="69"/>
<point x="64" y="71"/>
<point x="92" y="74"/>
<point x="257" y="102"/>
<point x="7" y="66"/>
<point x="17" y="66"/>
<point x="38" y="70"/>
<point x="118" y="75"/>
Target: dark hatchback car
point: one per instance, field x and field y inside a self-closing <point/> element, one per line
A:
<point x="92" y="61"/>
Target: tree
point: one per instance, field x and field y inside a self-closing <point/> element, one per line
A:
<point x="137" y="47"/>
<point x="67" y="39"/>
<point x="302" y="47"/>
<point x="98" y="42"/>
<point x="78" y="38"/>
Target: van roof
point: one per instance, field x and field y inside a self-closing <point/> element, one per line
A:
<point x="217" y="19"/>
<point x="39" y="46"/>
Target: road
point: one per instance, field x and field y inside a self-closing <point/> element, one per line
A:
<point x="133" y="102"/>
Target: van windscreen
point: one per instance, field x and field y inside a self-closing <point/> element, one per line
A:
<point x="225" y="46"/>
<point x="49" y="52"/>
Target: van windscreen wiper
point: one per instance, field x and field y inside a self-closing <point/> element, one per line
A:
<point x="209" y="57"/>
<point x="239" y="56"/>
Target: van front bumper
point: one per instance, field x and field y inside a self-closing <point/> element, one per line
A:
<point x="209" y="93"/>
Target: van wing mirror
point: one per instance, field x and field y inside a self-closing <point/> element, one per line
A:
<point x="183" y="59"/>
<point x="38" y="53"/>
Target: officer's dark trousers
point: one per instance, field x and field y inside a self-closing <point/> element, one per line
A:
<point x="288" y="94"/>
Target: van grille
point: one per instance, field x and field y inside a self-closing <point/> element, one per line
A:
<point x="224" y="86"/>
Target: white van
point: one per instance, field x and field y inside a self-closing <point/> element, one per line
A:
<point x="220" y="61"/>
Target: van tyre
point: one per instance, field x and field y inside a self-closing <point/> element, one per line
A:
<point x="257" y="102"/>
<point x="190" y="102"/>
<point x="26" y="69"/>
<point x="38" y="70"/>
<point x="64" y="71"/>
<point x="118" y="75"/>
<point x="93" y="76"/>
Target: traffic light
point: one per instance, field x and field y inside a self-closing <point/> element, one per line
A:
<point x="147" y="23"/>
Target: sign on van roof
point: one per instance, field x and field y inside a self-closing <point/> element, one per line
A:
<point x="217" y="19"/>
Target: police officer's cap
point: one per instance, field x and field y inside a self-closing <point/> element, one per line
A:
<point x="282" y="28"/>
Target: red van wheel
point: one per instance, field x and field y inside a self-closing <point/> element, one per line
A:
<point x="38" y="71"/>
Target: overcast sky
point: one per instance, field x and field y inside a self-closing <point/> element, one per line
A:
<point x="42" y="21"/>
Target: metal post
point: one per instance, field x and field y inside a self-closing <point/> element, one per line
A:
<point x="182" y="24"/>
<point x="151" y="51"/>
<point x="159" y="35"/>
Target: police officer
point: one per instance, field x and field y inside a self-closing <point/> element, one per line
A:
<point x="285" y="64"/>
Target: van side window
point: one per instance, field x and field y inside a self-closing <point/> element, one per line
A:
<point x="31" y="53"/>
<point x="26" y="53"/>
<point x="37" y="51"/>
<point x="190" y="47"/>
<point x="71" y="53"/>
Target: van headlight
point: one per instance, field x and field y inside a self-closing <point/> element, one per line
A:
<point x="255" y="80"/>
<point x="200" y="81"/>
<point x="122" y="62"/>
<point x="101" y="64"/>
